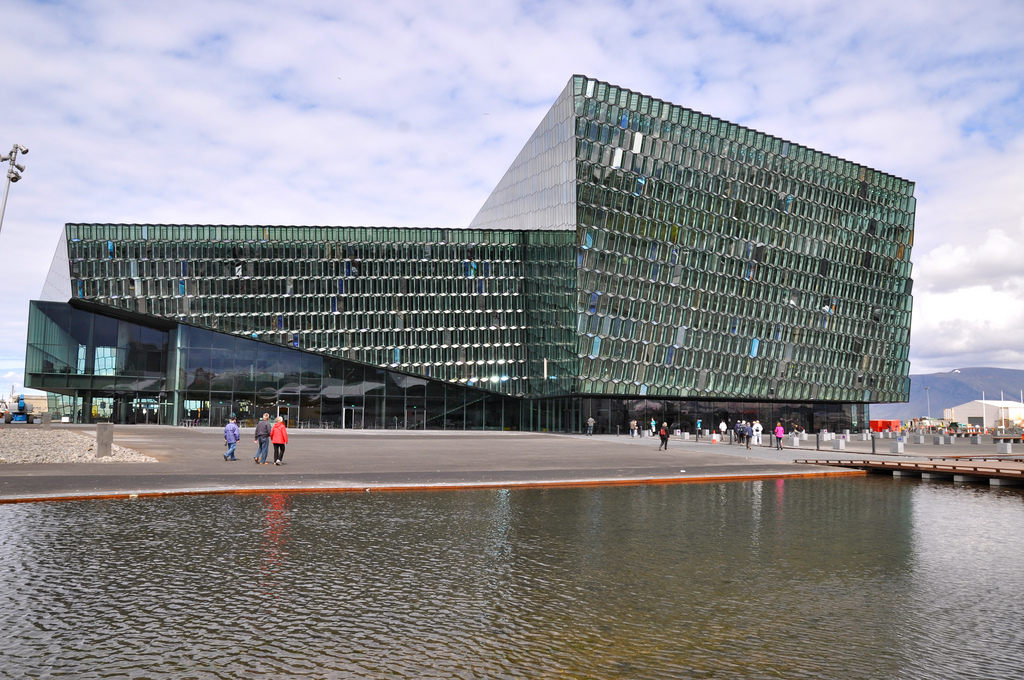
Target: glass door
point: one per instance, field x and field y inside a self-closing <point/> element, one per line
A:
<point x="286" y="412"/>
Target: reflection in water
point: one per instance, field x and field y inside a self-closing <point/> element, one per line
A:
<point x="275" y="536"/>
<point x="806" y="579"/>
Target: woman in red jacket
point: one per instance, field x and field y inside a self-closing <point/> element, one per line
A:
<point x="279" y="437"/>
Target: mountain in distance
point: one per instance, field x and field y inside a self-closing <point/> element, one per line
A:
<point x="947" y="390"/>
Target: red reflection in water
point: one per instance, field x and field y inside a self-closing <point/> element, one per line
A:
<point x="276" y="524"/>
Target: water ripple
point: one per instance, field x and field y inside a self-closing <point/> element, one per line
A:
<point x="801" y="579"/>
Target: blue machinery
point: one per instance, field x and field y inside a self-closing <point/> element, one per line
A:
<point x="19" y="412"/>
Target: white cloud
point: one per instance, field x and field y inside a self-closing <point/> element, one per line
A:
<point x="345" y="113"/>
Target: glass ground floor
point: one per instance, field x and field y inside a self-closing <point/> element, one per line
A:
<point x="612" y="415"/>
<point x="106" y="365"/>
<point x="456" y="411"/>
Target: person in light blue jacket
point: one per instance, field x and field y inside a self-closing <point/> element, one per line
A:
<point x="231" y="437"/>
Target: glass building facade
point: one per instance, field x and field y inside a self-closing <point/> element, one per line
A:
<point x="106" y="364"/>
<point x="637" y="260"/>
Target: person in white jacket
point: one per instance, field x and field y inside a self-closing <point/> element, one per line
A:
<point x="757" y="432"/>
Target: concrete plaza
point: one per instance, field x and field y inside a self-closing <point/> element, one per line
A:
<point x="191" y="461"/>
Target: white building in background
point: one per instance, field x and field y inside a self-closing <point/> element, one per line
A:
<point x="987" y="413"/>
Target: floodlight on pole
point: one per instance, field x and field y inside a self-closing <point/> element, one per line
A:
<point x="13" y="174"/>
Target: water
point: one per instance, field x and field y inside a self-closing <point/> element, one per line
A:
<point x="842" y="578"/>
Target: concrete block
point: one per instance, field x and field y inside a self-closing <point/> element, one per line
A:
<point x="1002" y="447"/>
<point x="976" y="439"/>
<point x="47" y="420"/>
<point x="906" y="473"/>
<point x="938" y="440"/>
<point x="864" y="437"/>
<point x="803" y="436"/>
<point x="104" y="438"/>
<point x="846" y="433"/>
<point x="838" y="444"/>
<point x="793" y="441"/>
<point x="919" y="439"/>
<point x="1003" y="481"/>
<point x="896" y="447"/>
<point x="935" y="475"/>
<point x="970" y="479"/>
<point x="684" y="435"/>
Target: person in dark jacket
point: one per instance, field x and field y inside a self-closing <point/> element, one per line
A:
<point x="262" y="440"/>
<point x="663" y="433"/>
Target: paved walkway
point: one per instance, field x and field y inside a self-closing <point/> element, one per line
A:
<point x="191" y="461"/>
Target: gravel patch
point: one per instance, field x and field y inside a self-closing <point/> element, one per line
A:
<point x="32" y="444"/>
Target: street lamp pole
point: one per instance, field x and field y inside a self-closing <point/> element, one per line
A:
<point x="13" y="174"/>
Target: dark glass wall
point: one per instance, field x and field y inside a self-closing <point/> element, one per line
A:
<point x="108" y="368"/>
<point x="613" y="414"/>
<point x="104" y="367"/>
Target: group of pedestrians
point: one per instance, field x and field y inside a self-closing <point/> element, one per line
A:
<point x="266" y="434"/>
<point x="635" y="431"/>
<point x="747" y="433"/>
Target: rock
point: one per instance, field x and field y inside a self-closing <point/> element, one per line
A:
<point x="27" y="444"/>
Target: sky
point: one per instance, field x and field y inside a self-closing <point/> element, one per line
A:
<point x="407" y="113"/>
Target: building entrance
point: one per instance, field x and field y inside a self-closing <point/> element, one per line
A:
<point x="286" y="412"/>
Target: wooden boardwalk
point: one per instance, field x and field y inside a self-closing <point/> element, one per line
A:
<point x="966" y="469"/>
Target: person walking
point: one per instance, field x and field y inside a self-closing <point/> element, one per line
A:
<point x="748" y="433"/>
<point x="780" y="432"/>
<point x="231" y="437"/>
<point x="757" y="432"/>
<point x="262" y="440"/>
<point x="590" y="426"/>
<point x="279" y="437"/>
<point x="632" y="429"/>
<point x="722" y="427"/>
<point x="654" y="427"/>
<point x="663" y="433"/>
